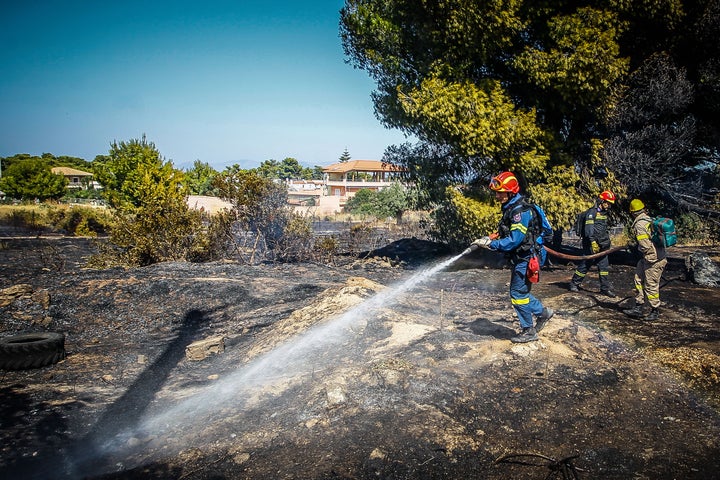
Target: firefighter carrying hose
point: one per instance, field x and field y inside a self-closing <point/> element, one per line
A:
<point x="593" y="229"/>
<point x="515" y="237"/>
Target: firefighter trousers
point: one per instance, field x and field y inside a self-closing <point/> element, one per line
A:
<point x="647" y="282"/>
<point x="603" y="265"/>
<point x="525" y="304"/>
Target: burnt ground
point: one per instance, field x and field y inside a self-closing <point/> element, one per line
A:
<point x="363" y="369"/>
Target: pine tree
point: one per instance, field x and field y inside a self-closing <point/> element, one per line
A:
<point x="345" y="156"/>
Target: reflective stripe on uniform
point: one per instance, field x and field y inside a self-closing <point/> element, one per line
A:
<point x="644" y="236"/>
<point x="579" y="274"/>
<point x="519" y="226"/>
<point x="520" y="301"/>
<point x="655" y="295"/>
<point x="604" y="272"/>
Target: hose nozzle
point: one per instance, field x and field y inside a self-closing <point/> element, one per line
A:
<point x="470" y="249"/>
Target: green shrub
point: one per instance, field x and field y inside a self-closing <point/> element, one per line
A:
<point x="81" y="221"/>
<point x="692" y="229"/>
<point x="460" y="220"/>
<point x="155" y="234"/>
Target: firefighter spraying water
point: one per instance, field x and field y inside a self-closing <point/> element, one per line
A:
<point x="520" y="235"/>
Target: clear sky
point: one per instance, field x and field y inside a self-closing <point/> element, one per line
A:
<point x="223" y="82"/>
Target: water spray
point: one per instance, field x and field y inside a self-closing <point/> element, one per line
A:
<point x="264" y="377"/>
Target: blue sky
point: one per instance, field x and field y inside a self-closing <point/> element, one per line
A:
<point x="223" y="82"/>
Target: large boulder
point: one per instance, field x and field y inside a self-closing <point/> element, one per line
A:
<point x="702" y="270"/>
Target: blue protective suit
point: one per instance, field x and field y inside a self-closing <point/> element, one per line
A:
<point x="514" y="241"/>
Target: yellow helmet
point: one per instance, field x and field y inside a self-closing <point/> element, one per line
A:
<point x="636" y="205"/>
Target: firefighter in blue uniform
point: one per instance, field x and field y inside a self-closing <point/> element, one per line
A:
<point x="513" y="239"/>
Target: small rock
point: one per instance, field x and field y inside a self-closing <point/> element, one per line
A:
<point x="335" y="395"/>
<point x="8" y="295"/>
<point x="377" y="454"/>
<point x="42" y="297"/>
<point x="241" y="458"/>
<point x="202" y="349"/>
<point x="44" y="321"/>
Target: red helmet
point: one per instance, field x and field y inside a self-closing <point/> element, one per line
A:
<point x="607" y="196"/>
<point x="505" y="182"/>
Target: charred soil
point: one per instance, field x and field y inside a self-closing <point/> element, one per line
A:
<point x="368" y="368"/>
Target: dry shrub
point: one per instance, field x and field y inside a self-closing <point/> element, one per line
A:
<point x="80" y="221"/>
<point x="216" y="241"/>
<point x="158" y="232"/>
<point x="326" y="248"/>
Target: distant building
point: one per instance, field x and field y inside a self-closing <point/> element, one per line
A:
<point x="346" y="178"/>
<point x="340" y="182"/>
<point x="77" y="179"/>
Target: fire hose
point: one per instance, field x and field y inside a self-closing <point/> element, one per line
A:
<point x="566" y="256"/>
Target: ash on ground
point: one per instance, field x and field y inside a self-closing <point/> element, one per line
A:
<point x="373" y="368"/>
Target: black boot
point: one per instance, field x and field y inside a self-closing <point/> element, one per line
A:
<point x="608" y="293"/>
<point x="528" y="334"/>
<point x="573" y="287"/>
<point x="653" y="315"/>
<point x="635" y="312"/>
<point x="542" y="320"/>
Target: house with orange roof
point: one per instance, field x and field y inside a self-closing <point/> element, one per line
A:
<point x="76" y="178"/>
<point x="344" y="179"/>
<point x="341" y="181"/>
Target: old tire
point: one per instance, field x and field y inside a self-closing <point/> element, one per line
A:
<point x="31" y="350"/>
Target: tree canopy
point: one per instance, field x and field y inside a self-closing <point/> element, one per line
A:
<point x="49" y="159"/>
<point x="134" y="171"/>
<point x="345" y="157"/>
<point x="289" y="168"/>
<point x="389" y="202"/>
<point x="32" y="179"/>
<point x="200" y="178"/>
<point x="533" y="87"/>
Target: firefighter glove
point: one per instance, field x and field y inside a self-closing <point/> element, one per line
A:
<point x="594" y="247"/>
<point x="482" y="242"/>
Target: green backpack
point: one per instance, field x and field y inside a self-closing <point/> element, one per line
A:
<point x="663" y="232"/>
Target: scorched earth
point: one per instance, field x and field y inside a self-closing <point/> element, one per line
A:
<point x="396" y="366"/>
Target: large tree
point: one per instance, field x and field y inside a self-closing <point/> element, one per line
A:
<point x="32" y="179"/>
<point x="289" y="168"/>
<point x="132" y="170"/>
<point x="153" y="222"/>
<point x="663" y="127"/>
<point x="520" y="85"/>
